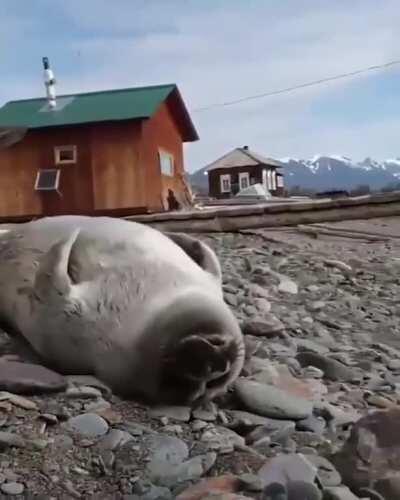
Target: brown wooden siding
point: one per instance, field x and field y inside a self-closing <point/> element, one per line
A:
<point x="161" y="131"/>
<point x="118" y="173"/>
<point x="20" y="163"/>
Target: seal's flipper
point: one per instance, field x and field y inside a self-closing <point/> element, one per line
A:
<point x="198" y="251"/>
<point x="53" y="274"/>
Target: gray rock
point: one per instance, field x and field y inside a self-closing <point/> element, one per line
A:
<point x="27" y="378"/>
<point x="12" y="488"/>
<point x="287" y="285"/>
<point x="271" y="433"/>
<point x="89" y="380"/>
<point x="326" y="472"/>
<point x="339" y="493"/>
<point x="303" y="490"/>
<point x="63" y="443"/>
<point x="222" y="439"/>
<point x="267" y="326"/>
<point x="258" y="291"/>
<point x="312" y="424"/>
<point x="262" y="305"/>
<point x="333" y="370"/>
<point x="244" y="417"/>
<point x="284" y="468"/>
<point x="151" y="493"/>
<point x="8" y="439"/>
<point x="179" y="413"/>
<point x="394" y="364"/>
<point x="83" y="392"/>
<point x="312" y="372"/>
<point x="307" y="345"/>
<point x="231" y="299"/>
<point x="165" y="451"/>
<point x="98" y="404"/>
<point x="269" y="401"/>
<point x="114" y="439"/>
<point x="168" y="464"/>
<point x="87" y="425"/>
<point x="207" y="412"/>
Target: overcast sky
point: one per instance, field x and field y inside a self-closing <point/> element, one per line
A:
<point x="219" y="50"/>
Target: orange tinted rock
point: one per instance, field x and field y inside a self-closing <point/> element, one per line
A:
<point x="214" y="485"/>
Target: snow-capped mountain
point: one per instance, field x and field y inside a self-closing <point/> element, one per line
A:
<point x="323" y="172"/>
<point x="339" y="172"/>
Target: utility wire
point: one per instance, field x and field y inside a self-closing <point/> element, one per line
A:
<point x="296" y="87"/>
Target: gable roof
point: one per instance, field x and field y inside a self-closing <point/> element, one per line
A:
<point x="242" y="157"/>
<point x="89" y="107"/>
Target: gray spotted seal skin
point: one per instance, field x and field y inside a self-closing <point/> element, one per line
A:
<point x="141" y="310"/>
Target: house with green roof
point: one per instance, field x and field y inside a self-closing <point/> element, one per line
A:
<point x="114" y="152"/>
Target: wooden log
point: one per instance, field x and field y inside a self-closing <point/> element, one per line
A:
<point x="234" y="223"/>
<point x="357" y="231"/>
<point x="316" y="231"/>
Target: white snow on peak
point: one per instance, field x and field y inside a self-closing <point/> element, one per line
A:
<point x="393" y="161"/>
<point x="288" y="159"/>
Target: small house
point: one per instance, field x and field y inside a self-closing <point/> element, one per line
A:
<point x="241" y="168"/>
<point x="115" y="152"/>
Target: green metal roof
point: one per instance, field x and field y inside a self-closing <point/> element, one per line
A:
<point x="109" y="105"/>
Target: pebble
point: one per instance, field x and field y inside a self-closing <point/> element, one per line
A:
<point x="8" y="439"/>
<point x="28" y="378"/>
<point x="87" y="425"/>
<point x="12" y="488"/>
<point x="333" y="369"/>
<point x="269" y="401"/>
<point x="83" y="392"/>
<point x="179" y="413"/>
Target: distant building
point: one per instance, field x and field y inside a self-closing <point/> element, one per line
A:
<point x="113" y="152"/>
<point x="241" y="168"/>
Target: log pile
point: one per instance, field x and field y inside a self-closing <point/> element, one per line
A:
<point x="233" y="219"/>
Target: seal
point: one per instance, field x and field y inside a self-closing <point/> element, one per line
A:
<point x="141" y="310"/>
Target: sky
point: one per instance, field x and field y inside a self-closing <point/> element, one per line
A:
<point x="221" y="50"/>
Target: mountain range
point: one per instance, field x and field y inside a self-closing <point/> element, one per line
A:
<point x="329" y="172"/>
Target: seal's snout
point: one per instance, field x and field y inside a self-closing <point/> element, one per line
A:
<point x="204" y="358"/>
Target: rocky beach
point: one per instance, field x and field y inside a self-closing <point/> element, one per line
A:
<point x="316" y="408"/>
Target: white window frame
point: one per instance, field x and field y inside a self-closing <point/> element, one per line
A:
<point x="60" y="149"/>
<point x="222" y="179"/>
<point x="273" y="180"/>
<point x="57" y="183"/>
<point x="165" y="155"/>
<point x="279" y="181"/>
<point x="244" y="175"/>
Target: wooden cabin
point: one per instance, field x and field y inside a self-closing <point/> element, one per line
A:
<point x="241" y="168"/>
<point x="116" y="152"/>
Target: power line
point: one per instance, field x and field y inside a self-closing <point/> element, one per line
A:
<point x="296" y="87"/>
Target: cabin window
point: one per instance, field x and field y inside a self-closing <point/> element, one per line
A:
<point x="225" y="183"/>
<point x="244" y="180"/>
<point x="64" y="155"/>
<point x="279" y="181"/>
<point x="166" y="163"/>
<point x="47" y="180"/>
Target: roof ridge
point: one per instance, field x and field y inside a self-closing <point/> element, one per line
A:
<point x="254" y="158"/>
<point x="94" y="92"/>
<point x="247" y="152"/>
<point x="221" y="158"/>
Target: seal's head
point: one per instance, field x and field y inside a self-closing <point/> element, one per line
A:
<point x="139" y="323"/>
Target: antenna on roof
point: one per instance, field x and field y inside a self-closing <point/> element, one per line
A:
<point x="49" y="82"/>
